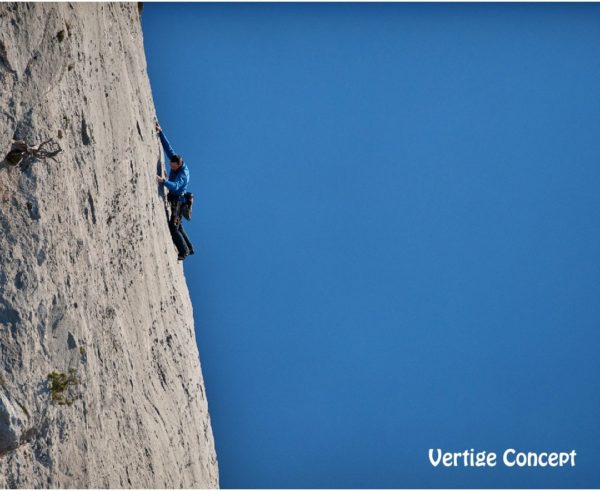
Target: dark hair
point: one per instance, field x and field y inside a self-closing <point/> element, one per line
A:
<point x="177" y="158"/>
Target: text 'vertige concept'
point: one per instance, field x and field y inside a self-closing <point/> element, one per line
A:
<point x="510" y="458"/>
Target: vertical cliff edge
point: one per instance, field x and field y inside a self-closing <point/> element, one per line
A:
<point x="100" y="380"/>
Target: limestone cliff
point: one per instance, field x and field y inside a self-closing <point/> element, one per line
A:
<point x="91" y="292"/>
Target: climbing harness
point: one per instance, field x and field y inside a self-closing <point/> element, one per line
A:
<point x="175" y="209"/>
<point x="181" y="208"/>
<point x="21" y="152"/>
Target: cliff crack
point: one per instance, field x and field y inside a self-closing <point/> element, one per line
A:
<point x="85" y="134"/>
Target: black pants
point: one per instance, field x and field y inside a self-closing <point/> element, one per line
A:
<point x="180" y="238"/>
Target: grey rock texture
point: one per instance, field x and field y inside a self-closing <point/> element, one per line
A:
<point x="90" y="286"/>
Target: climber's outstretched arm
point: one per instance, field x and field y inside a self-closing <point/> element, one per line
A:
<point x="165" y="143"/>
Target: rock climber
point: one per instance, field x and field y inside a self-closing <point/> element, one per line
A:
<point x="176" y="183"/>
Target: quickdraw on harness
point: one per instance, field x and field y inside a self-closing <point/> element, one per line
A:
<point x="20" y="152"/>
<point x="186" y="206"/>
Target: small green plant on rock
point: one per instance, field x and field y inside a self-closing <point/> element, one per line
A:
<point x="83" y="354"/>
<point x="60" y="36"/>
<point x="59" y="383"/>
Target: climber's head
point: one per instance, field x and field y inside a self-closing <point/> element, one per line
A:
<point x="176" y="162"/>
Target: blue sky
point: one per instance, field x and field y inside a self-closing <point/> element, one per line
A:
<point x="397" y="234"/>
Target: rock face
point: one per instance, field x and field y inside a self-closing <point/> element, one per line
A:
<point x="91" y="292"/>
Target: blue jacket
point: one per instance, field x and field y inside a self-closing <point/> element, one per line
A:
<point x="179" y="179"/>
